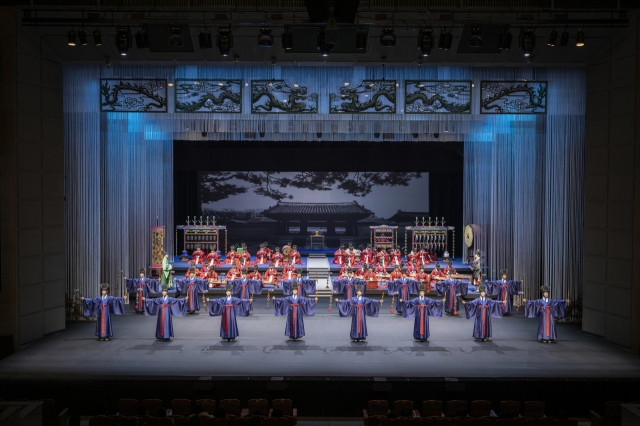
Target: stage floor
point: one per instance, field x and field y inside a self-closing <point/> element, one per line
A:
<point x="262" y="350"/>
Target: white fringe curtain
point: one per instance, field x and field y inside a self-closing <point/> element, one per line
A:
<point x="523" y="173"/>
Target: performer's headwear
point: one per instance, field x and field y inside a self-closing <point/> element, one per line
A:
<point x="192" y="269"/>
<point x="104" y="286"/>
<point x="211" y="268"/>
<point x="397" y="266"/>
<point x="297" y="271"/>
<point x="503" y="272"/>
<point x="233" y="247"/>
<point x="271" y="265"/>
<point x="142" y="270"/>
<point x="422" y="268"/>
<point x="404" y="270"/>
<point x="422" y="287"/>
<point x="244" y="271"/>
<point x="368" y="245"/>
<point x="359" y="287"/>
<point x="437" y="265"/>
<point x="277" y="248"/>
<point x="369" y="266"/>
<point x="294" y="246"/>
<point x="255" y="267"/>
<point x="165" y="287"/>
<point x="482" y="288"/>
<point x="164" y="253"/>
<point x="228" y="287"/>
<point x="294" y="287"/>
<point x="545" y="289"/>
<point x="261" y="244"/>
<point x="350" y="270"/>
<point x="341" y="245"/>
<point x="477" y="252"/>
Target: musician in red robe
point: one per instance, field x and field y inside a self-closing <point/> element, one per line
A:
<point x="278" y="258"/>
<point x="192" y="272"/>
<point x="211" y="276"/>
<point x="382" y="257"/>
<point x="343" y="271"/>
<point x="433" y="255"/>
<point x="366" y="256"/>
<point x="255" y="275"/>
<point x="245" y="259"/>
<point x="287" y="266"/>
<point x="262" y="256"/>
<point x="422" y="276"/>
<point x="350" y="257"/>
<point x="450" y="268"/>
<point x="197" y="257"/>
<point x="338" y="256"/>
<point x="294" y="255"/>
<point x="233" y="273"/>
<point x="396" y="274"/>
<point x="212" y="258"/>
<point x="359" y="272"/>
<point x="423" y="257"/>
<point x="396" y="256"/>
<point x="231" y="256"/>
<point x="268" y="250"/>
<point x="412" y="255"/>
<point x="414" y="266"/>
<point x="370" y="275"/>
<point x="291" y="274"/>
<point x="437" y="272"/>
<point x="270" y="275"/>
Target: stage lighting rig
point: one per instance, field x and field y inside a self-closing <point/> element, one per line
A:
<point x="476" y="37"/>
<point x="204" y="39"/>
<point x="123" y="41"/>
<point x="97" y="38"/>
<point x="527" y="41"/>
<point x="287" y="39"/>
<point x="323" y="47"/>
<point x="387" y="38"/>
<point x="331" y="31"/>
<point x="362" y="39"/>
<point x="71" y="38"/>
<point x="445" y="40"/>
<point x="564" y="38"/>
<point x="580" y="38"/>
<point x="504" y="40"/>
<point x="176" y="39"/>
<point x="425" y="41"/>
<point x="265" y="38"/>
<point x="82" y="36"/>
<point x="224" y="41"/>
<point x="552" y="38"/>
<point x="142" y="39"/>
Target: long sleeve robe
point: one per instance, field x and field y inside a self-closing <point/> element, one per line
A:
<point x="192" y="287"/>
<point x="165" y="309"/>
<point x="295" y="309"/>
<point x="546" y="310"/>
<point x="504" y="290"/>
<point x="142" y="287"/>
<point x="166" y="271"/>
<point x="450" y="289"/>
<point x="482" y="309"/>
<point x="306" y="287"/>
<point x="347" y="286"/>
<point x="404" y="288"/>
<point x="358" y="309"/>
<point x="421" y="309"/>
<point x="103" y="308"/>
<point x="243" y="288"/>
<point x="228" y="308"/>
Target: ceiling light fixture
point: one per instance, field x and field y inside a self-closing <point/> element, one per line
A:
<point x="82" y="36"/>
<point x="425" y="41"/>
<point x="505" y="40"/>
<point x="552" y="38"/>
<point x="123" y="41"/>
<point x="387" y="38"/>
<point x="71" y="38"/>
<point x="476" y="37"/>
<point x="323" y="47"/>
<point x="142" y="39"/>
<point x="564" y="39"/>
<point x="527" y="41"/>
<point x="224" y="40"/>
<point x="204" y="39"/>
<point x="580" y="38"/>
<point x="176" y="38"/>
<point x="287" y="39"/>
<point x="97" y="37"/>
<point x="445" y="40"/>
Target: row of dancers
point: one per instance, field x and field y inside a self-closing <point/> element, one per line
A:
<point x="297" y="305"/>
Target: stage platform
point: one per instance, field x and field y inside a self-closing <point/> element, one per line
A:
<point x="263" y="351"/>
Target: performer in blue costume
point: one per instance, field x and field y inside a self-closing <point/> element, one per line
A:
<point x="191" y="287"/>
<point x="482" y="309"/>
<point x="358" y="308"/>
<point x="165" y="308"/>
<point x="504" y="289"/>
<point x="295" y="307"/>
<point x="404" y="288"/>
<point x="421" y="308"/>
<point x="451" y="289"/>
<point x="347" y="286"/>
<point x="103" y="307"/>
<point x="142" y="286"/>
<point x="546" y="309"/>
<point x="306" y="286"/>
<point x="229" y="308"/>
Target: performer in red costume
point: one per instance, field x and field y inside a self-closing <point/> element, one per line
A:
<point x="450" y="269"/>
<point x="255" y="275"/>
<point x="437" y="272"/>
<point x="423" y="257"/>
<point x="396" y="274"/>
<point x="350" y="257"/>
<point x="212" y="258"/>
<point x="245" y="258"/>
<point x="197" y="257"/>
<point x="268" y="250"/>
<point x="343" y="271"/>
<point x="412" y="268"/>
<point x="294" y="255"/>
<point x="396" y="256"/>
<point x="278" y="258"/>
<point x="233" y="273"/>
<point x="271" y="275"/>
<point x="422" y="275"/>
<point x="211" y="276"/>
<point x="231" y="256"/>
<point x="412" y="255"/>
<point x="370" y="275"/>
<point x="383" y="256"/>
<point x="433" y="255"/>
<point x="366" y="256"/>
<point x="262" y="256"/>
<point x="359" y="272"/>
<point x="291" y="274"/>
<point x="338" y="256"/>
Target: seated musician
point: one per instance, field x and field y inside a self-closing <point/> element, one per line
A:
<point x="294" y="255"/>
<point x="262" y="256"/>
<point x="396" y="274"/>
<point x="231" y="256"/>
<point x="412" y="268"/>
<point x="437" y="273"/>
<point x="245" y="257"/>
<point x="255" y="275"/>
<point x="287" y="266"/>
<point x="366" y="255"/>
<point x="396" y="256"/>
<point x="423" y="257"/>
<point x="382" y="256"/>
<point x="197" y="257"/>
<point x="233" y="273"/>
<point x="338" y="256"/>
<point x="267" y="250"/>
<point x="381" y="271"/>
<point x="270" y="275"/>
<point x="433" y="256"/>
<point x="422" y="276"/>
<point x="278" y="258"/>
<point x="291" y="273"/>
<point x="450" y="268"/>
<point x="192" y="272"/>
<point x="411" y="255"/>
<point x="211" y="276"/>
<point x="212" y="258"/>
<point x="370" y="275"/>
<point x="343" y="271"/>
<point x="359" y="272"/>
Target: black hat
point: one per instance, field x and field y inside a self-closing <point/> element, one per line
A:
<point x="277" y="248"/>
<point x="104" y="286"/>
<point x="228" y="287"/>
<point x="244" y="271"/>
<point x="404" y="270"/>
<point x="545" y="289"/>
<point x="397" y="266"/>
<point x="297" y="271"/>
<point x="233" y="247"/>
<point x="349" y="270"/>
<point x="482" y="288"/>
<point x="192" y="269"/>
<point x="294" y="287"/>
<point x="503" y="272"/>
<point x="211" y="268"/>
<point x="255" y="267"/>
<point x="369" y="266"/>
<point x="164" y="253"/>
<point x="437" y="264"/>
<point x="294" y="246"/>
<point x="478" y="252"/>
<point x="359" y="287"/>
<point x="165" y="287"/>
<point x="272" y="264"/>
<point x="422" y="287"/>
<point x="421" y="268"/>
<point x="142" y="270"/>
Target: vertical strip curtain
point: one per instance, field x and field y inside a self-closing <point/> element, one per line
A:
<point x="523" y="174"/>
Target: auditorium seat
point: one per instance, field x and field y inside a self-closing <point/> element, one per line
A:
<point x="181" y="407"/>
<point x="400" y="421"/>
<point x="286" y="405"/>
<point x="208" y="405"/>
<point x="160" y="421"/>
<point x="101" y="421"/>
<point x="401" y="404"/>
<point x="376" y="407"/>
<point x="542" y="421"/>
<point x="231" y="406"/>
<point x="369" y="420"/>
<point x="480" y="408"/>
<point x="454" y="405"/>
<point x="505" y="422"/>
<point x="612" y="415"/>
<point x="181" y="421"/>
<point x="564" y="422"/>
<point x="261" y="405"/>
<point x="510" y="406"/>
<point x="422" y="421"/>
<point x="533" y="409"/>
<point x="241" y="421"/>
<point x="432" y="408"/>
<point x="275" y="421"/>
<point x="128" y="407"/>
<point x="51" y="416"/>
<point x="449" y="421"/>
<point x="479" y="422"/>
<point x="215" y="421"/>
<point x="118" y="419"/>
<point x="152" y="405"/>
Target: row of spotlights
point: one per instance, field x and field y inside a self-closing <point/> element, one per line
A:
<point x="82" y="38"/>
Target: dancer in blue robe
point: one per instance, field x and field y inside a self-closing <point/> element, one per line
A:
<point x="142" y="286"/>
<point x="404" y="288"/>
<point x="245" y="288"/>
<point x="103" y="307"/>
<point x="421" y="308"/>
<point x="295" y="307"/>
<point x="546" y="309"/>
<point x="191" y="287"/>
<point x="481" y="310"/>
<point x="358" y="308"/>
<point x="451" y="289"/>
<point x="165" y="308"/>
<point x="504" y="289"/>
<point x="306" y="286"/>
<point x="347" y="286"/>
<point x="229" y="307"/>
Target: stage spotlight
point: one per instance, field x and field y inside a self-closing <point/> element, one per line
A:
<point x="142" y="39"/>
<point x="527" y="41"/>
<point x="362" y="39"/>
<point x="176" y="39"/>
<point x="97" y="38"/>
<point x="261" y="133"/>
<point x="123" y="41"/>
<point x="71" y="38"/>
<point x="505" y="40"/>
<point x="387" y="38"/>
<point x="376" y="135"/>
<point x="287" y="39"/>
<point x="224" y="40"/>
<point x="82" y="36"/>
<point x="436" y="135"/>
<point x="476" y="37"/>
<point x="425" y="41"/>
<point x="331" y="31"/>
<point x="323" y="48"/>
<point x="552" y="38"/>
<point x="204" y="39"/>
<point x="445" y="39"/>
<point x="564" y="39"/>
<point x="580" y="38"/>
<point x="319" y="135"/>
<point x="265" y="38"/>
<point x="204" y="134"/>
<point x="415" y="135"/>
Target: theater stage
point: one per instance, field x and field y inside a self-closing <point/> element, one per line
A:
<point x="263" y="351"/>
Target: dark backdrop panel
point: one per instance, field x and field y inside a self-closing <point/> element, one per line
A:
<point x="185" y="193"/>
<point x="445" y="200"/>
